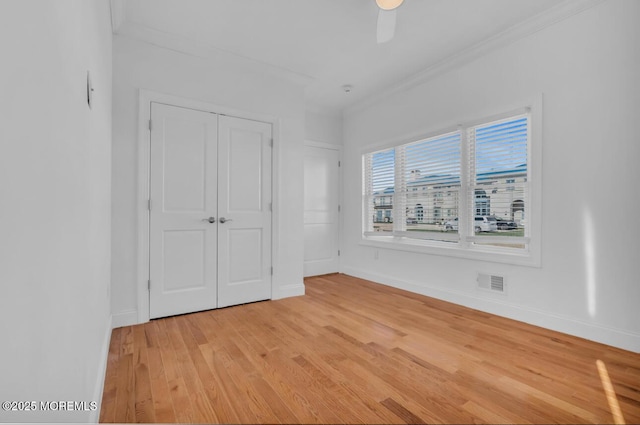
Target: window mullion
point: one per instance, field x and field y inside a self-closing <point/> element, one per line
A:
<point x="466" y="171"/>
<point x="400" y="192"/>
<point x="367" y="198"/>
<point x="530" y="181"/>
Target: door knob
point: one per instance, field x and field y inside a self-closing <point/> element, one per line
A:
<point x="224" y="220"/>
<point x="210" y="219"/>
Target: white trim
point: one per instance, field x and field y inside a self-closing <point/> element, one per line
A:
<point x="324" y="145"/>
<point x="341" y="202"/>
<point x="275" y="204"/>
<point x="450" y="249"/>
<point x="593" y="331"/>
<point x="462" y="248"/>
<point x="535" y="179"/>
<point x="118" y="14"/>
<point x="437" y="236"/>
<point x="498" y="239"/>
<point x="144" y="139"/>
<point x="560" y="12"/>
<point x="125" y="318"/>
<point x="287" y="291"/>
<point x="98" y="390"/>
<point x="199" y="49"/>
<point x="144" y="114"/>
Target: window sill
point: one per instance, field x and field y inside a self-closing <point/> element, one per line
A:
<point x="454" y="249"/>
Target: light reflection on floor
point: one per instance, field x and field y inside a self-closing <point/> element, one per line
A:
<point x="610" y="393"/>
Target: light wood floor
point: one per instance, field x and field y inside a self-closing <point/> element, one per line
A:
<point x="351" y="351"/>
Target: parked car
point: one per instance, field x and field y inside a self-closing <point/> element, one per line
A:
<point x="481" y="224"/>
<point x="485" y="224"/>
<point x="451" y="224"/>
<point x="506" y="224"/>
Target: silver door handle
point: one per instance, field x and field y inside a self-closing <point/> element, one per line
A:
<point x="210" y="219"/>
<point x="224" y="220"/>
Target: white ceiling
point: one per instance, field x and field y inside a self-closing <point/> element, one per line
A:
<point x="330" y="43"/>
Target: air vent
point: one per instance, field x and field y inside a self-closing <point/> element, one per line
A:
<point x="491" y="282"/>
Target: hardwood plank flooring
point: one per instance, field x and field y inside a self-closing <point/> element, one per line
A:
<point x="352" y="351"/>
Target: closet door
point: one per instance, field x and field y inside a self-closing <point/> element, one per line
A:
<point x="321" y="210"/>
<point x="244" y="209"/>
<point x="210" y="212"/>
<point x="183" y="230"/>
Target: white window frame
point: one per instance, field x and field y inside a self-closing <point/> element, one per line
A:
<point x="462" y="244"/>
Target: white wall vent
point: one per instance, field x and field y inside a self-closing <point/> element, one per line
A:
<point x="491" y="282"/>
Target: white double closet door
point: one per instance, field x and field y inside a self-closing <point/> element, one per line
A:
<point x="210" y="211"/>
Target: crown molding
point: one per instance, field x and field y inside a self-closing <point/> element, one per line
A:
<point x="118" y="11"/>
<point x="558" y="13"/>
<point x="198" y="49"/>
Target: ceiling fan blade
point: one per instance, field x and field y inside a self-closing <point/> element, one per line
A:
<point x="386" y="25"/>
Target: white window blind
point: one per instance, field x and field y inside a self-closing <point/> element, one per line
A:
<point x="499" y="186"/>
<point x="430" y="171"/>
<point x="470" y="187"/>
<point x="379" y="170"/>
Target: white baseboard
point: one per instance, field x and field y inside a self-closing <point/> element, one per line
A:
<point x="125" y="318"/>
<point x="94" y="416"/>
<point x="289" y="291"/>
<point x="130" y="317"/>
<point x="592" y="331"/>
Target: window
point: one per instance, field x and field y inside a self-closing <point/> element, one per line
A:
<point x="482" y="202"/>
<point x="380" y="190"/>
<point x="498" y="158"/>
<point x="467" y="188"/>
<point x="433" y="165"/>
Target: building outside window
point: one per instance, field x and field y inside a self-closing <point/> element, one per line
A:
<point x="419" y="181"/>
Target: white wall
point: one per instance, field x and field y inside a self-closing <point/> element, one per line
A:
<point x="219" y="79"/>
<point x="587" y="69"/>
<point x="55" y="168"/>
<point x="323" y="125"/>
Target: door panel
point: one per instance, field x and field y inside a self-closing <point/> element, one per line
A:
<point x="244" y="197"/>
<point x="245" y="165"/>
<point x="184" y="165"/>
<point x="183" y="186"/>
<point x="184" y="262"/>
<point x="245" y="256"/>
<point x="317" y="242"/>
<point x="321" y="217"/>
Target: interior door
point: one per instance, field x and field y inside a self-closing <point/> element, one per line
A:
<point x="321" y="210"/>
<point x="244" y="209"/>
<point x="210" y="211"/>
<point x="183" y="195"/>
